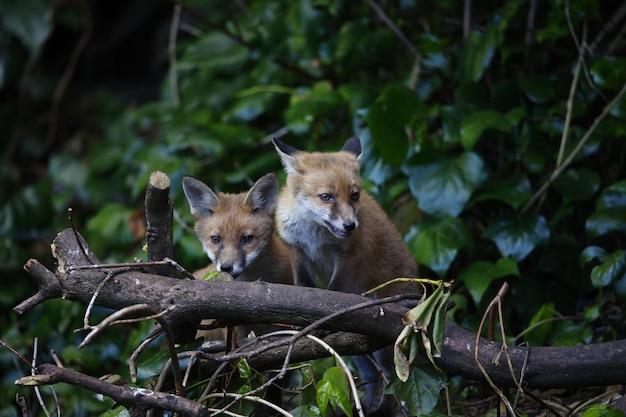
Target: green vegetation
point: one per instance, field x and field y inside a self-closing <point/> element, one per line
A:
<point x="499" y="153"/>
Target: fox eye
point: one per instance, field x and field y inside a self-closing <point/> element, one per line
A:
<point x="216" y="239"/>
<point x="325" y="197"/>
<point x="246" y="239"/>
<point x="355" y="196"/>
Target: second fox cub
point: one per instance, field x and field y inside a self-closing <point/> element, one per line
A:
<point x="339" y="235"/>
<point x="237" y="230"/>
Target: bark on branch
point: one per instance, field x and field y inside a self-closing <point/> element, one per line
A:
<point x="260" y="302"/>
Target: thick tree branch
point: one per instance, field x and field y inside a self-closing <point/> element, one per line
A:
<point x="159" y="217"/>
<point x="260" y="302"/>
<point x="48" y="374"/>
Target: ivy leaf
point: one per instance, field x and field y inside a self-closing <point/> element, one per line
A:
<point x="604" y="222"/>
<point x="436" y="244"/>
<point x="28" y="20"/>
<point x="310" y="104"/>
<point x="537" y="335"/>
<point x="608" y="73"/>
<point x="515" y="191"/>
<point x="518" y="236"/>
<point x="612" y="269"/>
<point x="613" y="197"/>
<point x="451" y="120"/>
<point x="387" y="120"/>
<point x="443" y="187"/>
<point x="478" y="275"/>
<point x="577" y="184"/>
<point x="334" y="389"/>
<point x="420" y="391"/>
<point x="214" y="52"/>
<point x="244" y="369"/>
<point x="477" y="53"/>
<point x="593" y="254"/>
<point x="610" y="213"/>
<point x="476" y="123"/>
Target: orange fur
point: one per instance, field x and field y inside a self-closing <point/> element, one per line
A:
<point x="237" y="231"/>
<point x="341" y="239"/>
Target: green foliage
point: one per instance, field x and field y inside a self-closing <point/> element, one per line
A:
<point x="603" y="411"/>
<point x="469" y="131"/>
<point x="420" y="391"/>
<point x="333" y="390"/>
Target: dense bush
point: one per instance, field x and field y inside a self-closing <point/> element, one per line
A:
<point x="497" y="146"/>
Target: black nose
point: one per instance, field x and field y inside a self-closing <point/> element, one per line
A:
<point x="348" y="227"/>
<point x="228" y="268"/>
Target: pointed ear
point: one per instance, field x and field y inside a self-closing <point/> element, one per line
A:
<point x="287" y="156"/>
<point x="262" y="195"/>
<point x="202" y="200"/>
<point x="353" y="145"/>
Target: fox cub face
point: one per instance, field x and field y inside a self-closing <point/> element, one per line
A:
<point x="233" y="228"/>
<point x="326" y="186"/>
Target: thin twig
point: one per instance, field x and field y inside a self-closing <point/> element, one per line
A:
<point x="64" y="82"/>
<point x="395" y="29"/>
<point x="96" y="330"/>
<point x="559" y="170"/>
<point x="132" y="363"/>
<point x="33" y="370"/>
<point x="490" y="307"/>
<point x="92" y="301"/>
<point x="171" y="48"/>
<point x="16" y="353"/>
<point x="570" y="106"/>
<point x="78" y="241"/>
<point x="239" y="397"/>
<point x="467" y="18"/>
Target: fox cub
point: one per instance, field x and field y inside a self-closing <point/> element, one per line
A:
<point x="237" y="231"/>
<point x="341" y="238"/>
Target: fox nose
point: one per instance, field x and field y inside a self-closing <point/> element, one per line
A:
<point x="228" y="268"/>
<point x="348" y="227"/>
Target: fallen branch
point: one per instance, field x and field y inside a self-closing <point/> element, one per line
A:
<point x="260" y="302"/>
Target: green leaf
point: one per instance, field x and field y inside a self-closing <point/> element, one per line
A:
<point x="538" y="89"/>
<point x="593" y="254"/>
<point x="577" y="184"/>
<point x="436" y="244"/>
<point x="477" y="53"/>
<point x="613" y="197"/>
<point x="478" y="275"/>
<point x="514" y="190"/>
<point x="602" y="410"/>
<point x="214" y="52"/>
<point x="388" y="119"/>
<point x="612" y="269"/>
<point x="476" y="123"/>
<point x="537" y="335"/>
<point x="451" y="120"/>
<point x="334" y="389"/>
<point x="443" y="187"/>
<point x="608" y="73"/>
<point x="610" y="213"/>
<point x="309" y="105"/>
<point x="420" y="391"/>
<point x="603" y="222"/>
<point x="28" y="20"/>
<point x="518" y="236"/>
<point x="420" y="316"/>
<point x="244" y="369"/>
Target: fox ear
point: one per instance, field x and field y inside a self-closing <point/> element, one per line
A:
<point x="202" y="200"/>
<point x="353" y="145"/>
<point x="262" y="195"/>
<point x="287" y="156"/>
